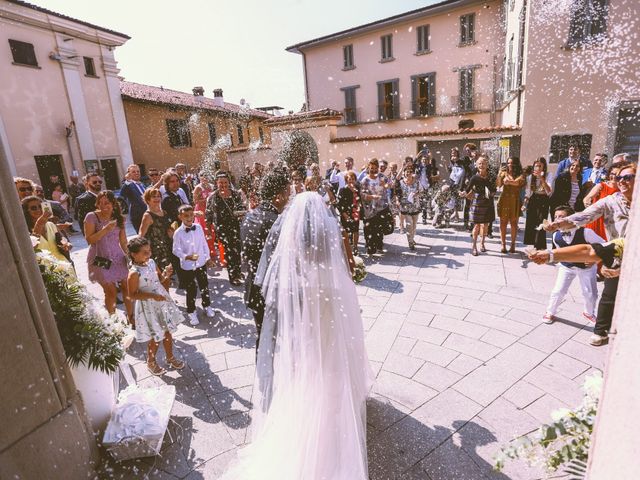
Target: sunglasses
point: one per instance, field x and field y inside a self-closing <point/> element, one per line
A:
<point x="629" y="177"/>
<point x="98" y="182"/>
<point x="35" y="208"/>
<point x="26" y="189"/>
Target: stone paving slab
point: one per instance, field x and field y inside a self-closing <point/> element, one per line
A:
<point x="462" y="364"/>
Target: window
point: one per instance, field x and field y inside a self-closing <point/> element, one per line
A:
<point x="347" y="53"/>
<point x="240" y="134"/>
<point x="588" y="22"/>
<point x="387" y="51"/>
<point x="422" y="34"/>
<point x="388" y="100"/>
<point x="508" y="81"/>
<point x="423" y="94"/>
<point x="212" y="134"/>
<point x="89" y="67"/>
<point x="467" y="28"/>
<point x="465" y="100"/>
<point x="350" y="112"/>
<point x="560" y="146"/>
<point x="261" y="134"/>
<point x="23" y="53"/>
<point x="178" y="131"/>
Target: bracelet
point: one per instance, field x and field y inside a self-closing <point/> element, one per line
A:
<point x="550" y="252"/>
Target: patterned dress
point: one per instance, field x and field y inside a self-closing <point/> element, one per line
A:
<point x="107" y="247"/>
<point x="161" y="243"/>
<point x="154" y="318"/>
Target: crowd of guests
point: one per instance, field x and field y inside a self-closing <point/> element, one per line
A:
<point x="188" y="221"/>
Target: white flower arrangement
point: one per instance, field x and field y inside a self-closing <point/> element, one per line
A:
<point x="360" y="271"/>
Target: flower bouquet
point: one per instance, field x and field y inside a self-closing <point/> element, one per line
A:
<point x="360" y="271"/>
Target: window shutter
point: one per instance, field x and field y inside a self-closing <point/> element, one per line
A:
<point x="396" y="99"/>
<point x="471" y="28"/>
<point x="463" y="29"/>
<point x="381" y="101"/>
<point x="432" y="94"/>
<point x="415" y="107"/>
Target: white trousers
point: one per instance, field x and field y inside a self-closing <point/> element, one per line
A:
<point x="410" y="226"/>
<point x="588" y="283"/>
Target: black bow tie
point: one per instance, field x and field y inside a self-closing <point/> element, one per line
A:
<point x="190" y="229"/>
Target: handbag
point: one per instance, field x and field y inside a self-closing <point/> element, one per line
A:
<point x="101" y="262"/>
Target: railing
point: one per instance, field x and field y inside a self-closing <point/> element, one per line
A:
<point x="350" y="115"/>
<point x="465" y="103"/>
<point x="388" y="111"/>
<point x="422" y="108"/>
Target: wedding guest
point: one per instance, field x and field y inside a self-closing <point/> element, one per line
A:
<point x="373" y="188"/>
<point x="297" y="183"/>
<point x="574" y="156"/>
<point x="457" y="180"/>
<point x="201" y="194"/>
<point x="568" y="271"/>
<point x="468" y="163"/>
<point x="274" y="192"/>
<point x="225" y="211"/>
<point x="156" y="314"/>
<point x="24" y="187"/>
<point x="106" y="260"/>
<point x="59" y="195"/>
<point x="350" y="206"/>
<point x="592" y="176"/>
<point x="338" y="176"/>
<point x="536" y="204"/>
<point x="409" y="204"/>
<point x="86" y="202"/>
<point x="49" y="238"/>
<point x="185" y="180"/>
<point x="614" y="209"/>
<point x="601" y="190"/>
<point x="480" y="191"/>
<point x="173" y="196"/>
<point x="75" y="189"/>
<point x="156" y="228"/>
<point x="568" y="188"/>
<point x="60" y="217"/>
<point x="511" y="180"/>
<point x="190" y="246"/>
<point x="132" y="191"/>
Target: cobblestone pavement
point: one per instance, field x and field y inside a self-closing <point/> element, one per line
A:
<point x="462" y="360"/>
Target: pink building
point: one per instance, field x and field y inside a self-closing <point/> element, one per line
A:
<point x="516" y="77"/>
<point x="426" y="77"/>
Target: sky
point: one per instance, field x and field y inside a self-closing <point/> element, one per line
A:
<point x="236" y="45"/>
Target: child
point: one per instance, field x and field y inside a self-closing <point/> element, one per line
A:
<point x="190" y="246"/>
<point x="568" y="271"/>
<point x="156" y="315"/>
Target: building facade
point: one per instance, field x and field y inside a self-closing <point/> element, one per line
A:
<point x="60" y="105"/>
<point x="571" y="75"/>
<point x="425" y="77"/>
<point x="168" y="127"/>
<point x="516" y="77"/>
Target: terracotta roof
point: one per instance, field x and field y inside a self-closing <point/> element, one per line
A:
<point x="432" y="133"/>
<point x="166" y="96"/>
<point x="429" y="9"/>
<point x="310" y="115"/>
<point x="66" y="17"/>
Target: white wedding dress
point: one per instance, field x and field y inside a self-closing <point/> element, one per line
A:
<point x="312" y="374"/>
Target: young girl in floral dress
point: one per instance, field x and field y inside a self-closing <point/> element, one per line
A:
<point x="156" y="315"/>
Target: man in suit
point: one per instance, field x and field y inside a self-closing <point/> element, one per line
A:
<point x="132" y="191"/>
<point x="274" y="194"/>
<point x="594" y="175"/>
<point x="86" y="202"/>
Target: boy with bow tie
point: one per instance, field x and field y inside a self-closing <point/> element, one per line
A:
<point x="190" y="246"/>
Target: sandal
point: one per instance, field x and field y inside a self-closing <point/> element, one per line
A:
<point x="155" y="369"/>
<point x="512" y="249"/>
<point x="483" y="249"/>
<point x="474" y="252"/>
<point x="176" y="364"/>
<point x="503" y="249"/>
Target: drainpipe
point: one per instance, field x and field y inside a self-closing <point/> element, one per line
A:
<point x="523" y="21"/>
<point x="69" y="133"/>
<point x="492" y="115"/>
<point x="306" y="84"/>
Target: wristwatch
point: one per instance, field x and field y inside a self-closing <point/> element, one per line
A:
<point x="550" y="252"/>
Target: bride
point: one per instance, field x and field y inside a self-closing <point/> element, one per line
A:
<point x="312" y="374"/>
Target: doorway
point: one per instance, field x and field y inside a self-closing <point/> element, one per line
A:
<point x="49" y="165"/>
<point x="109" y="167"/>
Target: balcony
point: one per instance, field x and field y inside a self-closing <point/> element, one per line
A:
<point x="350" y="116"/>
<point x="388" y="111"/>
<point x="465" y="103"/>
<point x="422" y="108"/>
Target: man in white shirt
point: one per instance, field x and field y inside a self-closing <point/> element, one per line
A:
<point x="190" y="246"/>
<point x="337" y="176"/>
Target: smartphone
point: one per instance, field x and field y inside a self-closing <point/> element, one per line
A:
<point x="46" y="207"/>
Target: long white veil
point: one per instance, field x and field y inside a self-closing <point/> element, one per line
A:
<point x="312" y="374"/>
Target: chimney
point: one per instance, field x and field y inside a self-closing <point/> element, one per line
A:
<point x="198" y="91"/>
<point x="218" y="99"/>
